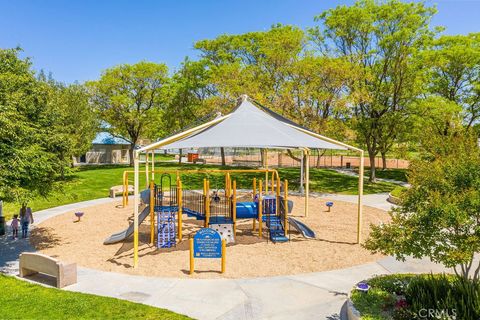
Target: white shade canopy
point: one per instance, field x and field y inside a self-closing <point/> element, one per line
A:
<point x="250" y="127"/>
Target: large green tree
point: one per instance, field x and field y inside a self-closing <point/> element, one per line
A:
<point x="278" y="69"/>
<point x="129" y="98"/>
<point x="72" y="122"/>
<point x="381" y="40"/>
<point x="439" y="216"/>
<point x="256" y="63"/>
<point x="455" y="74"/>
<point x="192" y="97"/>
<point x="27" y="168"/>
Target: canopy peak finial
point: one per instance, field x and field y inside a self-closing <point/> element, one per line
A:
<point x="243" y="98"/>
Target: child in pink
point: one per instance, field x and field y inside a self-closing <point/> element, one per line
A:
<point x="14" y="226"/>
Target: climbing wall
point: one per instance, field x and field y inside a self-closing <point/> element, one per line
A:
<point x="166" y="236"/>
<point x="225" y="230"/>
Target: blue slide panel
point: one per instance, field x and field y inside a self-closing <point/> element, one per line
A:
<point x="247" y="210"/>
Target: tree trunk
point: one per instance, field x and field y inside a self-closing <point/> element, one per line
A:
<point x="130" y="153"/>
<point x="290" y="154"/>
<point x="371" y="156"/>
<point x="180" y="157"/>
<point x="384" y="160"/>
<point x="222" y="153"/>
<point x="262" y="156"/>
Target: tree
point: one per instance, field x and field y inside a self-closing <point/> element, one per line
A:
<point x="129" y="99"/>
<point x="191" y="97"/>
<point x="256" y="63"/>
<point x="455" y="67"/>
<point x="277" y="69"/>
<point x="27" y="168"/>
<point x="381" y="41"/>
<point x="439" y="216"/>
<point x="72" y="121"/>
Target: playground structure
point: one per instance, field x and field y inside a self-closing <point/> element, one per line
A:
<point x="219" y="209"/>
<point x="247" y="126"/>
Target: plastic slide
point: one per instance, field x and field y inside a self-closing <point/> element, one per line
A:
<point x="122" y="235"/>
<point x="301" y="227"/>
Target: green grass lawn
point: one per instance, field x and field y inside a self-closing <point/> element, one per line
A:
<point x="394" y="174"/>
<point x="23" y="300"/>
<point x="93" y="182"/>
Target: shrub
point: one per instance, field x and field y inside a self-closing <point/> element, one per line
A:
<point x="451" y="295"/>
<point x="392" y="283"/>
<point x="397" y="191"/>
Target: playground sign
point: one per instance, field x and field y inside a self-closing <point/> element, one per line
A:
<point x="207" y="243"/>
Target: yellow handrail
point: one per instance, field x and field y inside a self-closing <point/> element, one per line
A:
<point x="201" y="171"/>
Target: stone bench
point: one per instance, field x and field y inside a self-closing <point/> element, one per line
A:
<point x="32" y="263"/>
<point x="199" y="160"/>
<point x="119" y="190"/>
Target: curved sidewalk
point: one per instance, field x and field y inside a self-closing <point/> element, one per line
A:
<point x="306" y="296"/>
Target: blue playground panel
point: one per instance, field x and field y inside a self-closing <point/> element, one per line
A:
<point x="220" y="220"/>
<point x="166" y="231"/>
<point x="193" y="213"/>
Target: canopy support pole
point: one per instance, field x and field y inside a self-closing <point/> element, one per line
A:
<point x="147" y="164"/>
<point x="153" y="165"/>
<point x="301" y="190"/>
<point x="360" y="196"/>
<point x="265" y="155"/>
<point x="307" y="180"/>
<point x="135" y="209"/>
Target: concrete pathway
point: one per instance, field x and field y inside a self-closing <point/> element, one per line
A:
<point x="318" y="295"/>
<point x="354" y="174"/>
<point x="10" y="249"/>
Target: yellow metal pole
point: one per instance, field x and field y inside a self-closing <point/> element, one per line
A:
<point x="152" y="215"/>
<point x="285" y="204"/>
<point x="260" y="209"/>
<point x="180" y="210"/>
<point x="135" y="209"/>
<point x="207" y="202"/>
<point x="234" y="208"/>
<point x="146" y="169"/>
<point x="224" y="254"/>
<point x="192" y="259"/>
<point x="228" y="185"/>
<point x="277" y="192"/>
<point x="360" y="196"/>
<point x="254" y="188"/>
<point x="153" y="165"/>
<point x="125" y="188"/>
<point x="266" y="172"/>
<point x="273" y="182"/>
<point x="205" y="196"/>
<point x="307" y="181"/>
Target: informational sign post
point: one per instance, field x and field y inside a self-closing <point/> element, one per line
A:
<point x="207" y="243"/>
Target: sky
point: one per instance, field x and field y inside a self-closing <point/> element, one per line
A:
<point x="76" y="40"/>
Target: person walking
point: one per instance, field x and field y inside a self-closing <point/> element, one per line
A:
<point x="26" y="217"/>
<point x="14" y="226"/>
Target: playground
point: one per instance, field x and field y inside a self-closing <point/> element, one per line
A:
<point x="249" y="256"/>
<point x="264" y="230"/>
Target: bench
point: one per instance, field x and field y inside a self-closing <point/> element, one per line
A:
<point x="197" y="160"/>
<point x="32" y="263"/>
<point x="119" y="190"/>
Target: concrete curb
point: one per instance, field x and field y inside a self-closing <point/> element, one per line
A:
<point x="352" y="312"/>
<point x="394" y="200"/>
